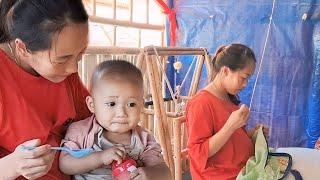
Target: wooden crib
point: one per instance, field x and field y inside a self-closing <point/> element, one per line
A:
<point x="162" y="116"/>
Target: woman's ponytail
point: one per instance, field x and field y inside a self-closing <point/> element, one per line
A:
<point x="5" y="7"/>
<point x="214" y="63"/>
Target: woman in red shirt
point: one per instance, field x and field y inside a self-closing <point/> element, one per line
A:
<point x="218" y="143"/>
<point x="41" y="43"/>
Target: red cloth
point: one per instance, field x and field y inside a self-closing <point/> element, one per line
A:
<point x="206" y="115"/>
<point x="33" y="107"/>
<point x="172" y="19"/>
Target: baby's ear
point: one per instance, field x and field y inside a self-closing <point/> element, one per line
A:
<point x="90" y="104"/>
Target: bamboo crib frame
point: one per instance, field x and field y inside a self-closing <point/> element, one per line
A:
<point x="162" y="112"/>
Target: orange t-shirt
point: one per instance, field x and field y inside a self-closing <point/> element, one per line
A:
<point x="206" y="115"/>
<point x="33" y="107"/>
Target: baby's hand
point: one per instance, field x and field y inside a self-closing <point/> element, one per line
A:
<point x="113" y="154"/>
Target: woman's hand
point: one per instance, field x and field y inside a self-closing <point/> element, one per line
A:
<point x="238" y="118"/>
<point x="116" y="153"/>
<point x="139" y="174"/>
<point x="265" y="130"/>
<point x="35" y="163"/>
<point x="157" y="172"/>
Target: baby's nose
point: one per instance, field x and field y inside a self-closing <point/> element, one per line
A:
<point x="121" y="111"/>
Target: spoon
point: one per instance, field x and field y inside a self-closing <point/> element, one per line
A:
<point x="78" y="153"/>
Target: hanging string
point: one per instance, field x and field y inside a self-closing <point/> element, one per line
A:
<point x="165" y="75"/>
<point x="263" y="52"/>
<point x="186" y="75"/>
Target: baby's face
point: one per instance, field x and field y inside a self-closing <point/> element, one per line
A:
<point x="118" y="105"/>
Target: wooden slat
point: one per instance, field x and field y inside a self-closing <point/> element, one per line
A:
<point x="172" y="53"/>
<point x="88" y="64"/>
<point x="209" y="67"/>
<point x="177" y="149"/>
<point x="196" y="76"/>
<point x="160" y="116"/>
<point x="169" y="114"/>
<point x="169" y="51"/>
<point x="123" y="23"/>
<point x="184" y="49"/>
<point x="112" y="50"/>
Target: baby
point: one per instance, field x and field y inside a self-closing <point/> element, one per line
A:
<point x="112" y="131"/>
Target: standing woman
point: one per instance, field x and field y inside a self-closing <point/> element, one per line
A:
<point x="219" y="145"/>
<point x="41" y="42"/>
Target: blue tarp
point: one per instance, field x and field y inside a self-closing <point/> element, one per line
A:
<point x="287" y="95"/>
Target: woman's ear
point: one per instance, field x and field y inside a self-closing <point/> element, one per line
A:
<point x="90" y="104"/>
<point x="225" y="70"/>
<point x="21" y="49"/>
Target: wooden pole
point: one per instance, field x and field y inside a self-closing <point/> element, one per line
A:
<point x="196" y="76"/>
<point x="143" y="120"/>
<point x="160" y="115"/>
<point x="140" y="61"/>
<point x="169" y="114"/>
<point x="171" y="53"/>
<point x="184" y="49"/>
<point x="177" y="148"/>
<point x="209" y="67"/>
<point x="123" y="23"/>
<point x="112" y="50"/>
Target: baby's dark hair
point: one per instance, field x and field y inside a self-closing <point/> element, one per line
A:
<point x="234" y="56"/>
<point x="118" y="70"/>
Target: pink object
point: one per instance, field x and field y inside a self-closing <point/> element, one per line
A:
<point x="127" y="165"/>
<point x="317" y="145"/>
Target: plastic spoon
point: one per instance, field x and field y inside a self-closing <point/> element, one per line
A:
<point x="78" y="153"/>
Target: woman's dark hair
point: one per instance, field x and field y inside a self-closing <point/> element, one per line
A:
<point x="118" y="70"/>
<point x="234" y="56"/>
<point x="35" y="21"/>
